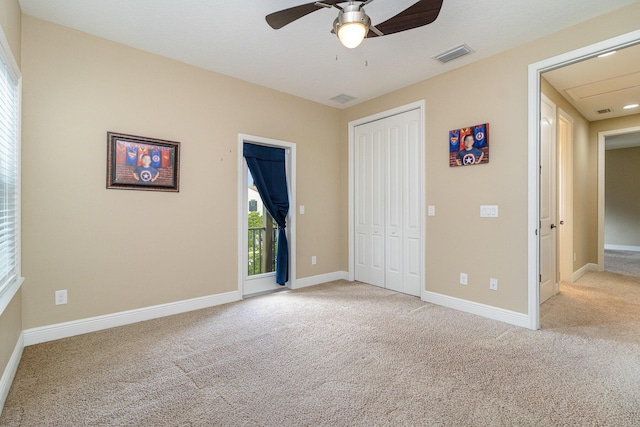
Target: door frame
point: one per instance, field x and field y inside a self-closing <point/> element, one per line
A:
<point x="601" y="185"/>
<point x="533" y="152"/>
<point x="419" y="105"/>
<point x="565" y="198"/>
<point x="290" y="149"/>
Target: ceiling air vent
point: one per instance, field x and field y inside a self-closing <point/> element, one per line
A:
<point x="342" y="98"/>
<point x="454" y="53"/>
<point x="604" y="111"/>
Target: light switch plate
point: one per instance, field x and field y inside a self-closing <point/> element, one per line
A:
<point x="464" y="279"/>
<point x="489" y="211"/>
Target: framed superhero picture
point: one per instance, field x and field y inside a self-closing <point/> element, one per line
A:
<point x="140" y="163"/>
<point x="469" y="146"/>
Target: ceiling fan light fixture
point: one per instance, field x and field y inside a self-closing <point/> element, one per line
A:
<point x="351" y="25"/>
<point x="352" y="34"/>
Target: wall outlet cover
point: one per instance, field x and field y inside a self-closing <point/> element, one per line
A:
<point x="463" y="278"/>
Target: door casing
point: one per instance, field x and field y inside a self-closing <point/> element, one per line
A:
<point x="290" y="149"/>
<point x="565" y="196"/>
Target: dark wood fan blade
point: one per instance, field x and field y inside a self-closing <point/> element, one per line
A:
<point x="283" y="17"/>
<point x="422" y="13"/>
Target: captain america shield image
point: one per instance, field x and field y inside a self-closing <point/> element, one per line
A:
<point x="467" y="159"/>
<point x="146" y="176"/>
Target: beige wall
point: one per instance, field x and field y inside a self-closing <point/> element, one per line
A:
<point x="11" y="23"/>
<point x="10" y="330"/>
<point x="622" y="197"/>
<point x="116" y="250"/>
<point x="493" y="90"/>
<point x="11" y="317"/>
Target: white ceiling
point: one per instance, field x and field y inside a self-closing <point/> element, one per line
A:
<point x="607" y="83"/>
<point x="231" y="37"/>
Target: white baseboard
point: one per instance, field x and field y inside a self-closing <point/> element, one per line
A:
<point x="495" y="313"/>
<point x="622" y="248"/>
<point x="10" y="371"/>
<point x="584" y="270"/>
<point x="321" y="278"/>
<point x="92" y="324"/>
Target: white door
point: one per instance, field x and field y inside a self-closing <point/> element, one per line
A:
<point x="548" y="261"/>
<point x="369" y="207"/>
<point x="413" y="244"/>
<point x="388" y="234"/>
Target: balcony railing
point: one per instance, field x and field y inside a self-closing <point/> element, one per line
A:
<point x="262" y="250"/>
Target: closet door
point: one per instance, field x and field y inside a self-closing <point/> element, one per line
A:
<point x="402" y="201"/>
<point x="412" y="205"/>
<point x="388" y="159"/>
<point x="369" y="183"/>
<point x="394" y="197"/>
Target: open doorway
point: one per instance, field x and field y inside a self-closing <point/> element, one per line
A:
<point x="258" y="232"/>
<point x="581" y="249"/>
<point x="619" y="187"/>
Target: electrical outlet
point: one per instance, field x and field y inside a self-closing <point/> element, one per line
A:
<point x="493" y="284"/>
<point x="301" y="209"/>
<point x="463" y="278"/>
<point x="313" y="260"/>
<point x="61" y="297"/>
<point x="431" y="210"/>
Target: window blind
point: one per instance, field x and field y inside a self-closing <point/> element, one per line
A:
<point x="9" y="173"/>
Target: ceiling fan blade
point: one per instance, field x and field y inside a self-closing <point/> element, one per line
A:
<point x="375" y="30"/>
<point x="283" y="17"/>
<point x="421" y="13"/>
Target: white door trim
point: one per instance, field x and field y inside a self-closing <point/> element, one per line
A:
<point x="565" y="208"/>
<point x="533" y="200"/>
<point x="419" y="105"/>
<point x="290" y="147"/>
<point x="601" y="185"/>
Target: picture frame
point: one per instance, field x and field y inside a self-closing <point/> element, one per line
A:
<point x="142" y="163"/>
<point x="469" y="145"/>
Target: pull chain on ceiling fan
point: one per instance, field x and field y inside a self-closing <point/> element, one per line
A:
<point x="352" y="24"/>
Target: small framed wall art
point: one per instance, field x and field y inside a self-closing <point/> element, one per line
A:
<point x="140" y="163"/>
<point x="469" y="146"/>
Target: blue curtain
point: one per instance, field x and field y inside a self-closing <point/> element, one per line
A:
<point x="267" y="166"/>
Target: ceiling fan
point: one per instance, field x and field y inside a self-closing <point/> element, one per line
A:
<point x="352" y="24"/>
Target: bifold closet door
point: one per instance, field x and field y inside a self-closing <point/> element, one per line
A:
<point x="370" y="151"/>
<point x="388" y="203"/>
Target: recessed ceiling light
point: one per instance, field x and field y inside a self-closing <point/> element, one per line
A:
<point x="607" y="54"/>
<point x="630" y="106"/>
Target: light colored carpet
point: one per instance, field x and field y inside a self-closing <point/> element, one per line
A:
<point x="622" y="262"/>
<point x="344" y="354"/>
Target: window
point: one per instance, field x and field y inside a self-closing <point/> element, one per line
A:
<point x="9" y="173"/>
